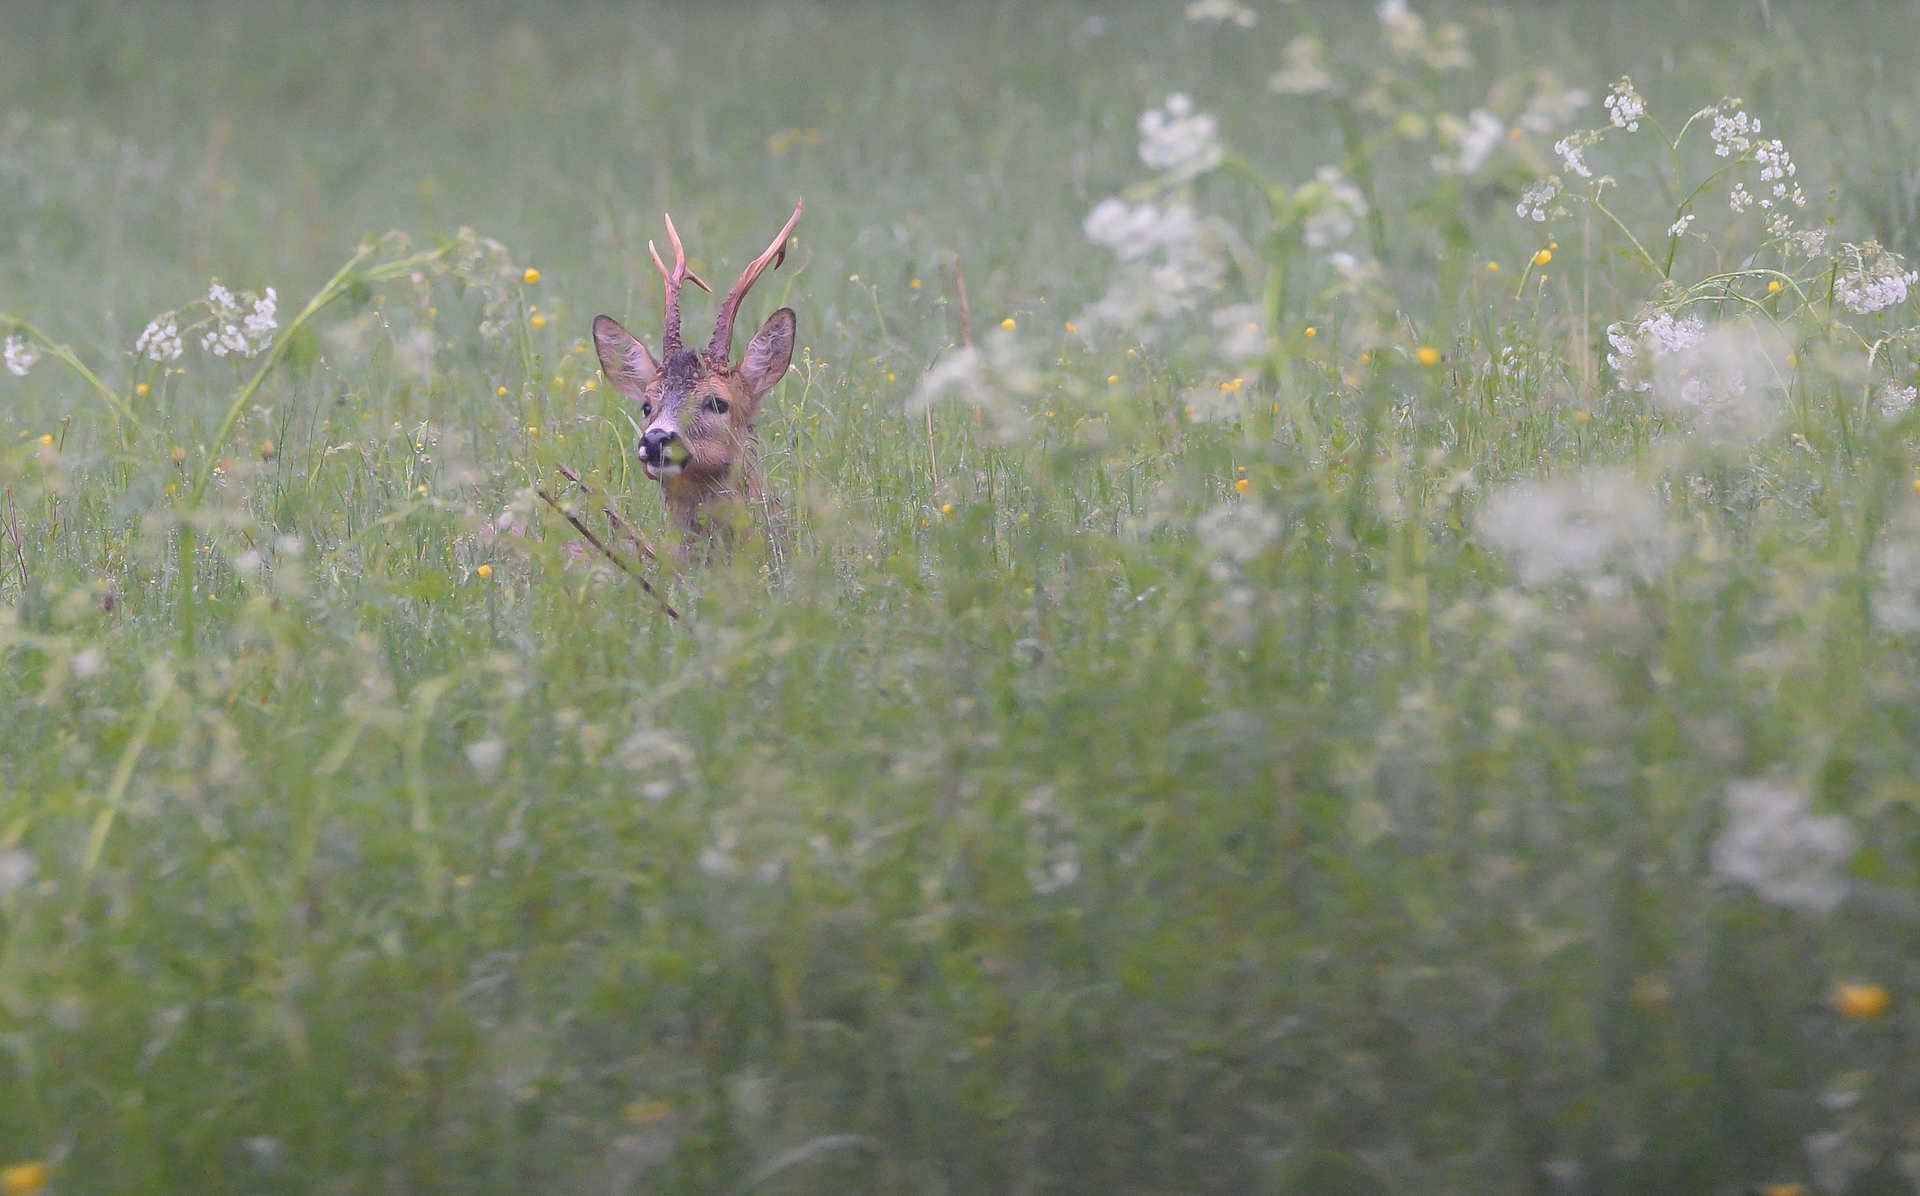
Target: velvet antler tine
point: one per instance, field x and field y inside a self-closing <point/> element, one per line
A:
<point x="676" y="278"/>
<point x="720" y="350"/>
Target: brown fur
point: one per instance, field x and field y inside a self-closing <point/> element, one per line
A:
<point x="699" y="411"/>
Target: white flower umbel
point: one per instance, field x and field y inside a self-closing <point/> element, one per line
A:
<point x="1179" y="142"/>
<point x="1596" y="528"/>
<point x="20" y="355"/>
<point x="1168" y="261"/>
<point x="1572" y="150"/>
<point x="1730" y="134"/>
<point x="1876" y="280"/>
<point x="234" y="332"/>
<point x="161" y="341"/>
<point x="220" y="299"/>
<point x="1303" y="68"/>
<point x="1679" y="227"/>
<point x="994" y="381"/>
<point x="1727" y="384"/>
<point x="1534" y="200"/>
<point x="261" y="323"/>
<point x="1476" y="141"/>
<point x="1241" y="337"/>
<point x="1774" y="843"/>
<point x="1897" y="400"/>
<point x="1337" y="207"/>
<point x="1740" y="199"/>
<point x="1226" y="12"/>
<point x="1625" y="107"/>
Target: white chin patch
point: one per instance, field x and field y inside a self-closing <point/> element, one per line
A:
<point x="664" y="470"/>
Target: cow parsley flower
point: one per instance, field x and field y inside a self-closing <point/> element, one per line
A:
<point x="1338" y="207"/>
<point x="1179" y="142"/>
<point x="261" y="322"/>
<point x="1534" y="200"/>
<point x="1679" y="227"/>
<point x="1896" y="400"/>
<point x="1876" y="280"/>
<point x="221" y="300"/>
<point x="20" y="355"/>
<point x="1303" y="68"/>
<point x="1572" y="150"/>
<point x="1224" y="12"/>
<point x="1625" y="107"/>
<point x="161" y="340"/>
<point x="1476" y="141"/>
<point x="1168" y="260"/>
<point x="234" y="332"/>
<point x="1740" y="200"/>
<point x="1730" y="133"/>
<point x="1773" y="842"/>
<point x="1663" y="333"/>
<point x="1591" y="528"/>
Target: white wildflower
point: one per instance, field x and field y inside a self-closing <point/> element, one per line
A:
<point x="1773" y="842"/>
<point x="1739" y="200"/>
<point x="1808" y="242"/>
<point x="1303" y="68"/>
<point x="1534" y="200"/>
<point x="1553" y="104"/>
<point x="993" y="381"/>
<point x="1776" y="165"/>
<point x="1876" y="280"/>
<point x="1727" y="384"/>
<point x="221" y="300"/>
<point x="1572" y="151"/>
<point x="1224" y="11"/>
<point x="1479" y="139"/>
<point x="1679" y="227"/>
<point x="486" y="757"/>
<point x="261" y="323"/>
<point x="1896" y="400"/>
<point x="1168" y="260"/>
<point x="1730" y="133"/>
<point x="20" y="355"/>
<point x="1625" y="353"/>
<point x="1354" y="268"/>
<point x="1590" y="528"/>
<point x="1179" y="142"/>
<point x="1625" y="107"/>
<point x="1241" y="337"/>
<point x="161" y="340"/>
<point x="225" y="339"/>
<point x="1405" y="32"/>
<point x="1238" y="531"/>
<point x="1338" y="206"/>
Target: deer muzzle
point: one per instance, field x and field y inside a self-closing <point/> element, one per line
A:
<point x="663" y="453"/>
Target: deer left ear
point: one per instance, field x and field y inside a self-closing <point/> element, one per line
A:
<point x="769" y="354"/>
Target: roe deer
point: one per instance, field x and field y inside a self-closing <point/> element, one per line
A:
<point x="698" y="410"/>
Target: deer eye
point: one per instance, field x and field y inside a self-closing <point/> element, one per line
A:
<point x="718" y="406"/>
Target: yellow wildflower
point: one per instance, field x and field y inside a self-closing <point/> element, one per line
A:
<point x="531" y="276"/>
<point x="1543" y="257"/>
<point x="1007" y="324"/>
<point x="24" y="1179"/>
<point x="1428" y="355"/>
<point x="1861" y="1002"/>
<point x="485" y="571"/>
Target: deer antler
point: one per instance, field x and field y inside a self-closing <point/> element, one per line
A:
<point x="676" y="277"/>
<point x="720" y="351"/>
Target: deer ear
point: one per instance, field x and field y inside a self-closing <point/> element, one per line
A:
<point x="629" y="366"/>
<point x="769" y="353"/>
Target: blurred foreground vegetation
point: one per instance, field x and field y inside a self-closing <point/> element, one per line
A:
<point x="1142" y="772"/>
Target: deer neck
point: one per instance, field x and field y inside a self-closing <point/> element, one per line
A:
<point x="714" y="506"/>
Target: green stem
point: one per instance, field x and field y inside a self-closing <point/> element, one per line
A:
<point x="66" y="354"/>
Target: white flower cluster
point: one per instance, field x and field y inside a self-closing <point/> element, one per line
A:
<point x="1167" y="260"/>
<point x="1876" y="281"/>
<point x="161" y="340"/>
<point x="233" y="332"/>
<point x="1179" y="142"/>
<point x="1740" y="200"/>
<point x="1588" y="528"/>
<point x="1773" y="842"/>
<point x="994" y="380"/>
<point x="1776" y="167"/>
<point x="1406" y="36"/>
<point x="1572" y="151"/>
<point x="1534" y="200"/>
<point x="1241" y="337"/>
<point x="1625" y="107"/>
<point x="1679" y="227"/>
<point x="1303" y="68"/>
<point x="1227" y="12"/>
<point x="1553" y="104"/>
<point x="1338" y="207"/>
<point x="1730" y="133"/>
<point x="1475" y="142"/>
<point x="1896" y="400"/>
<point x="20" y="355"/>
<point x="1665" y="334"/>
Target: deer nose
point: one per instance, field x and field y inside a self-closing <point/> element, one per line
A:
<point x="654" y="445"/>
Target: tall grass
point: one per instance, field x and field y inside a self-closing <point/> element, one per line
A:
<point x="1087" y="797"/>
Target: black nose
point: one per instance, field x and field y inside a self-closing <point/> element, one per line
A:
<point x="653" y="444"/>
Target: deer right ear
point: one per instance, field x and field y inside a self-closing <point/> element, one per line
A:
<point x="629" y="366"/>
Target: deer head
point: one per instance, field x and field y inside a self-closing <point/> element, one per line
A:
<point x="699" y="410"/>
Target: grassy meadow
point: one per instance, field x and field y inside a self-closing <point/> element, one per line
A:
<point x="1346" y="687"/>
